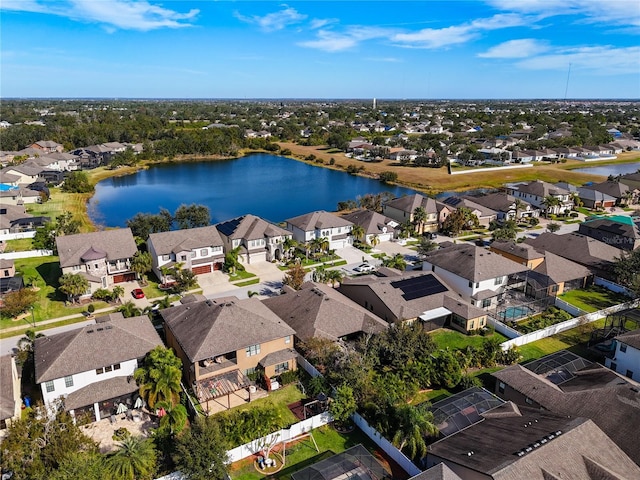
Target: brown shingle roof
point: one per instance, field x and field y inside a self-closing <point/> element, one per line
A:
<point x="521" y="250"/>
<point x="116" y="244"/>
<point x="373" y="223"/>
<point x="7" y="400"/>
<point x="631" y="338"/>
<point x="175" y="241"/>
<point x="99" y="391"/>
<point x="473" y="263"/>
<point x="250" y="227"/>
<point x="317" y="310"/>
<point x="409" y="203"/>
<point x="541" y="189"/>
<point x="214" y="327"/>
<point x="558" y="269"/>
<point x="106" y="343"/>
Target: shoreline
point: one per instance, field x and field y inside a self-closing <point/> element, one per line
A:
<point x="102" y="173"/>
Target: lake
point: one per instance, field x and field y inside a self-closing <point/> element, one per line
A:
<point x="272" y="187"/>
<point x="606" y="170"/>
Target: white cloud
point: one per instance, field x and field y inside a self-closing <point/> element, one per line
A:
<point x="276" y="20"/>
<point x="523" y="48"/>
<point x="321" y="22"/>
<point x="617" y="12"/>
<point x="330" y="41"/>
<point x="601" y="59"/>
<point x="435" y="37"/>
<point x="385" y="59"/>
<point x="114" y="14"/>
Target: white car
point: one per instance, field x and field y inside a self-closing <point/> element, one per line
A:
<point x="364" y="268"/>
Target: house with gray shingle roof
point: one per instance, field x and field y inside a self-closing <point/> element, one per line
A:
<point x="484" y="214"/>
<point x="626" y="356"/>
<point x="92" y="367"/>
<point x="595" y="255"/>
<point x="401" y="210"/>
<point x="478" y="275"/>
<point x="568" y="385"/>
<point x="620" y="231"/>
<point x="591" y="198"/>
<point x="197" y="249"/>
<point x="409" y="296"/>
<point x="103" y="258"/>
<point x="222" y="341"/>
<point x="317" y="310"/>
<point x="614" y="188"/>
<point x="321" y="224"/>
<point x="535" y="192"/>
<point x="14" y="218"/>
<point x="505" y="206"/>
<point x="374" y="224"/>
<point x="257" y="239"/>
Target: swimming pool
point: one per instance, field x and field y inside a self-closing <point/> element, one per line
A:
<point x="514" y="313"/>
<point x="4" y="187"/>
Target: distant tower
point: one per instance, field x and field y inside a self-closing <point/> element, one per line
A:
<point x="374" y="103"/>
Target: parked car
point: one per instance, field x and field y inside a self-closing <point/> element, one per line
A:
<point x="364" y="268"/>
<point x="431" y="236"/>
<point x="137" y="293"/>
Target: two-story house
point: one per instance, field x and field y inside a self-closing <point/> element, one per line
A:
<point x="484" y="214"/>
<point x="47" y="146"/>
<point x="91" y="368"/>
<point x="537" y="192"/>
<point x="103" y="258"/>
<point x="479" y="276"/>
<point x="197" y="249"/>
<point x="626" y="356"/>
<point x="257" y="239"/>
<point x="375" y="225"/>
<point x="506" y="207"/>
<point x="10" y="401"/>
<point x="620" y="231"/>
<point x="321" y="224"/>
<point x="402" y="209"/>
<point x="222" y="341"/>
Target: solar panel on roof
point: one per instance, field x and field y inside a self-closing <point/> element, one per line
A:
<point x="418" y="287"/>
<point x="227" y="228"/>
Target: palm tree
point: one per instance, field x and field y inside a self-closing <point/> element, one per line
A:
<point x="518" y="205"/>
<point x="175" y="418"/>
<point x="165" y="272"/>
<point x="73" y="285"/>
<point x="118" y="292"/>
<point x="324" y="245"/>
<point x="334" y="276"/>
<point x="375" y="240"/>
<point x="357" y="232"/>
<point x="549" y="202"/>
<point x="135" y="459"/>
<point x="141" y="263"/>
<point x="412" y="424"/>
<point x="426" y="245"/>
<point x="419" y="217"/>
<point x="159" y="384"/>
<point x="129" y="309"/>
<point x="397" y="262"/>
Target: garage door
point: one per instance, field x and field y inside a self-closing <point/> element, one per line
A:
<point x="127" y="277"/>
<point x="202" y="269"/>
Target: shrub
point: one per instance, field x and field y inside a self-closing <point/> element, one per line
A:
<point x="102" y="294"/>
<point x="332" y="161"/>
<point x="91" y="308"/>
<point x="288" y="377"/>
<point x="120" y="434"/>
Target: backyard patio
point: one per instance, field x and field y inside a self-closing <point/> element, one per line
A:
<point x="137" y="422"/>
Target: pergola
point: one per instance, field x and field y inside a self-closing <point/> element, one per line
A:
<point x="222" y="385"/>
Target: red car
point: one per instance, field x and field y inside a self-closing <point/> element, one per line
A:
<point x="137" y="293"/>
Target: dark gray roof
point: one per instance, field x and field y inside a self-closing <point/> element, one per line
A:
<point x="558" y="269"/>
<point x="176" y="241"/>
<point x="409" y="203"/>
<point x="535" y="445"/>
<point x="7" y="397"/>
<point x="473" y="263"/>
<point x="100" y="391"/>
<point x="611" y="226"/>
<point x="631" y="338"/>
<point x="438" y="472"/>
<point x="471" y="204"/>
<point x="593" y="392"/>
<point x="579" y="248"/>
<point x="278" y="357"/>
<point x="373" y="223"/>
<point x="499" y="201"/>
<point x="250" y="227"/>
<point x="521" y="250"/>
<point x="541" y="189"/>
<point x="612" y="188"/>
<point x="116" y="244"/>
<point x="214" y="327"/>
<point x="318" y="220"/>
<point x="106" y="343"/>
<point x="317" y="310"/>
<point x="594" y="195"/>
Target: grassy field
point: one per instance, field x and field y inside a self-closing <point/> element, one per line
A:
<point x="433" y="180"/>
<point x="593" y="298"/>
<point x="445" y="338"/>
<point x="60" y="202"/>
<point x="20" y="245"/>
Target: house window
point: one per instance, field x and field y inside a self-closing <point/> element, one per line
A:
<point x="471" y="325"/>
<point x="486" y="303"/>
<point x="629" y="374"/>
<point x="183" y="258"/>
<point x="49" y="386"/>
<point x="287" y="339"/>
<point x="477" y="284"/>
<point x="529" y="401"/>
<point x="623" y="347"/>
<point x="95" y="266"/>
<point x="252" y="350"/>
<point x="614" y="366"/>
<point x="193" y="254"/>
<point x="68" y="381"/>
<point x="501" y="386"/>
<point x="203" y="252"/>
<point x="470" y="284"/>
<point x="166" y="258"/>
<point x="282" y="367"/>
<point x="76" y="268"/>
<point x="433" y="268"/>
<point x="116" y="366"/>
<point x="108" y="368"/>
<point x="250" y="370"/>
<point x="498" y="280"/>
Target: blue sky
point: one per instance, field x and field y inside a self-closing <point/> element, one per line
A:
<point x="330" y="49"/>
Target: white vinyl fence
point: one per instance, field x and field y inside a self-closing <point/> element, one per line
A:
<point x="16" y="236"/>
<point x="567" y="307"/>
<point x="489" y="169"/>
<point x="569" y="324"/>
<point x="27" y="254"/>
<point x="500" y="327"/>
<point x="386" y="445"/>
<point x="614" y="287"/>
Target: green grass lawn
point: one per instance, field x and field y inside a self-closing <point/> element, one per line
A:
<point x="50" y="304"/>
<point x="19" y="245"/>
<point x="303" y="453"/>
<point x="593" y="298"/>
<point x="573" y="340"/>
<point x="246" y="283"/>
<point x="445" y="338"/>
<point x="240" y="275"/>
